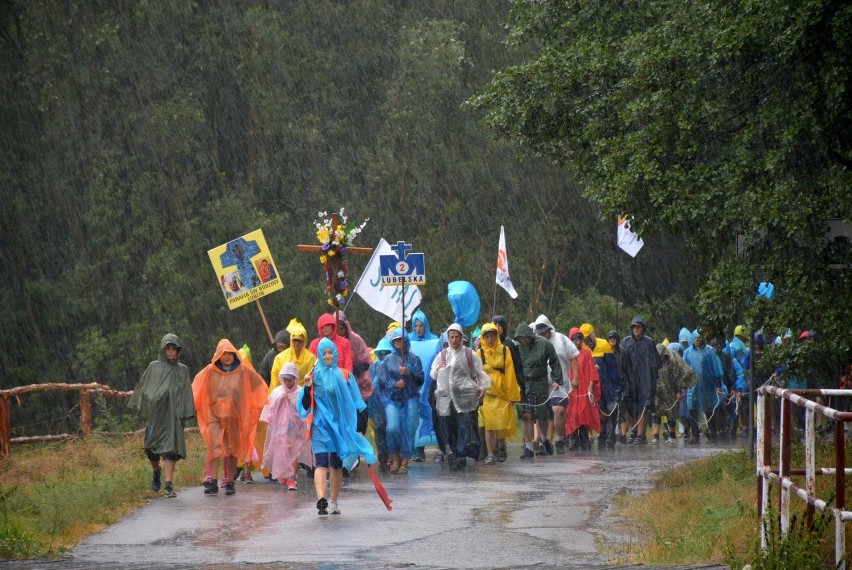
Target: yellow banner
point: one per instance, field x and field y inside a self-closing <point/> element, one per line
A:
<point x="245" y="270"/>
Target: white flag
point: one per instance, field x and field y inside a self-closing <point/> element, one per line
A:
<point x="386" y="300"/>
<point x="627" y="240"/>
<point x="503" y="267"/>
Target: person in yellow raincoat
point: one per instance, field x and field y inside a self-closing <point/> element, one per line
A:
<point x="298" y="354"/>
<point x="497" y="412"/>
<point x="228" y="396"/>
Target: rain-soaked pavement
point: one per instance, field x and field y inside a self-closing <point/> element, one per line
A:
<point x="553" y="511"/>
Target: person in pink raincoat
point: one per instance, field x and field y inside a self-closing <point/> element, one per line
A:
<point x="287" y="444"/>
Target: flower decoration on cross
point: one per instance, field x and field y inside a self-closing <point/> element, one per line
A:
<point x="336" y="235"/>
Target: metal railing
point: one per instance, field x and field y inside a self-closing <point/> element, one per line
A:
<point x="784" y="472"/>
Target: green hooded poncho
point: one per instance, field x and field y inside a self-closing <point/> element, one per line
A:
<point x="164" y="397"/>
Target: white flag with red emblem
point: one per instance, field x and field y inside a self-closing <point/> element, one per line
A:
<point x="627" y="240"/>
<point x="503" y="267"/>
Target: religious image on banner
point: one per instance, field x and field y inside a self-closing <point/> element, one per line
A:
<point x="245" y="270"/>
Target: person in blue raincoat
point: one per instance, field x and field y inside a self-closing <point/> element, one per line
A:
<point x="375" y="409"/>
<point x="400" y="379"/>
<point x="684" y="339"/>
<point x="331" y="401"/>
<point x="707" y="393"/>
<point x="424" y="344"/>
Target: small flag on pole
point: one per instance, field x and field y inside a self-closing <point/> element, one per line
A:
<point x="627" y="240"/>
<point x="503" y="267"/>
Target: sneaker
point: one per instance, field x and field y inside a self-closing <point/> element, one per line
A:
<point x="502" y="455"/>
<point x="641" y="440"/>
<point x="211" y="487"/>
<point x="631" y="438"/>
<point x="540" y="452"/>
<point x="560" y="446"/>
<point x="170" y="493"/>
<point x="490" y="460"/>
<point x="548" y="447"/>
<point x="620" y="439"/>
<point x="292" y="485"/>
<point x="655" y="439"/>
<point x="439" y="457"/>
<point x="419" y="455"/>
<point x="239" y="475"/>
<point x="459" y="463"/>
<point x="322" y="506"/>
<point x="527" y="454"/>
<point x="229" y="488"/>
<point x="671" y="441"/>
<point x="155" y="481"/>
<point x="333" y="508"/>
<point x="247" y="478"/>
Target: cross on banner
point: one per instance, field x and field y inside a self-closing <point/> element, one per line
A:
<point x="334" y="263"/>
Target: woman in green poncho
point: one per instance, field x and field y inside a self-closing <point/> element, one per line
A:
<point x="164" y="397"/>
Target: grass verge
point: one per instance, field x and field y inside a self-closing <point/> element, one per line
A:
<point x="706" y="511"/>
<point x="53" y="495"/>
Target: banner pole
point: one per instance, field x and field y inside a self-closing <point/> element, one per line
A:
<point x="265" y="323"/>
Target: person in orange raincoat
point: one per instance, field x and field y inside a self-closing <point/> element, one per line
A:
<point x="229" y="396"/>
<point x="582" y="415"/>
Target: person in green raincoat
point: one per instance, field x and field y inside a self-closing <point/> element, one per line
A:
<point x="164" y="397"/>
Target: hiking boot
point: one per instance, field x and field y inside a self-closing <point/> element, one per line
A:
<point x="539" y="450"/>
<point x="155" y="481"/>
<point x="459" y="463"/>
<point x="333" y="508"/>
<point x="211" y="487"/>
<point x="170" y="493"/>
<point x="229" y="488"/>
<point x="322" y="506"/>
<point x="502" y="455"/>
<point x="490" y="460"/>
<point x="527" y="454"/>
<point x="631" y="438"/>
<point x="247" y="478"/>
<point x="641" y="440"/>
<point x="292" y="485"/>
<point x="548" y="447"/>
<point x="560" y="446"/>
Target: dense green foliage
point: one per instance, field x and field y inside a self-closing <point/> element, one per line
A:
<point x="712" y="119"/>
<point x="139" y="135"/>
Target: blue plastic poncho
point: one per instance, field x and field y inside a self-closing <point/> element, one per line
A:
<point x="335" y="412"/>
<point x="419" y="315"/>
<point x="464" y="301"/>
<point x="708" y="368"/>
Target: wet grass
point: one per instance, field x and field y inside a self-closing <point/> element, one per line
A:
<point x="53" y="495"/>
<point x="706" y="511"/>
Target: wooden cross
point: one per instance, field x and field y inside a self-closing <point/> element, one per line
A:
<point x="336" y="261"/>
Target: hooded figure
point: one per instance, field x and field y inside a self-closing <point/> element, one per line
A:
<point x="498" y="410"/>
<point x="335" y="411"/>
<point x="361" y="359"/>
<point x="582" y="403"/>
<point x="163" y="396"/>
<point x="644" y="366"/>
<point x="675" y="377"/>
<point x="279" y="345"/>
<point x="297" y="353"/>
<point x="344" y="348"/>
<point x="287" y="442"/>
<point x="703" y="359"/>
<point x="375" y="408"/>
<point x="426" y="333"/>
<point x="228" y="400"/>
<point x="401" y="377"/>
<point x="459" y="384"/>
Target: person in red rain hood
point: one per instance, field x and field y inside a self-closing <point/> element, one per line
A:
<point x="582" y="415"/>
<point x="327" y="328"/>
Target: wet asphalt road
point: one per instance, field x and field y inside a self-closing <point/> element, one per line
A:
<point x="552" y="511"/>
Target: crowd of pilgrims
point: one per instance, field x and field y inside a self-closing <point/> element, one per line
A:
<point x="309" y="406"/>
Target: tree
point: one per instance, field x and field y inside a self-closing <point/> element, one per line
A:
<point x="711" y="120"/>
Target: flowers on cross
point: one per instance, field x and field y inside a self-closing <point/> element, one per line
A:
<point x="335" y="237"/>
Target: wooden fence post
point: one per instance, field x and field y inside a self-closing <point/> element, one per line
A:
<point x="85" y="412"/>
<point x="5" y="428"/>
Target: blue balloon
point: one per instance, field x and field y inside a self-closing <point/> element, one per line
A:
<point x="464" y="301"/>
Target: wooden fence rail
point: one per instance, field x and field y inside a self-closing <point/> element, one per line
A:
<point x="86" y="392"/>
